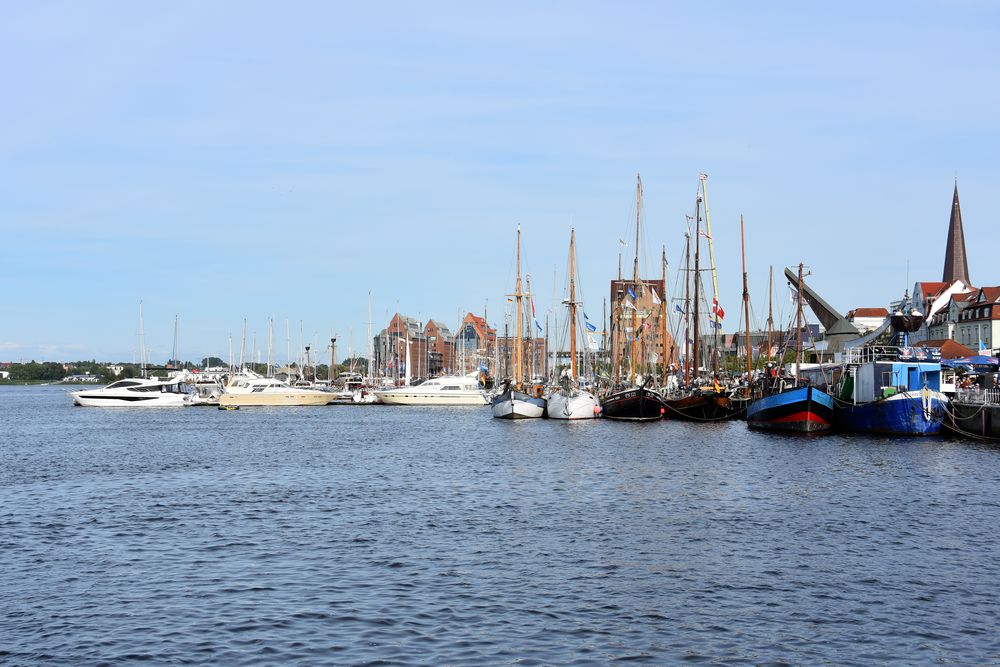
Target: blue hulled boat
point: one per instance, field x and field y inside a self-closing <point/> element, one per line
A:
<point x="793" y="409"/>
<point x="889" y="390"/>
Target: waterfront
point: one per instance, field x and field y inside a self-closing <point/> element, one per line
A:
<point x="349" y="535"/>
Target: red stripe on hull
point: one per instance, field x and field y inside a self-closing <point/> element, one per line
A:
<point x="800" y="417"/>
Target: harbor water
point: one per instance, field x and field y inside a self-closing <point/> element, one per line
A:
<point x="417" y="536"/>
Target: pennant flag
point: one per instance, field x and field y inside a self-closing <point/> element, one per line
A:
<point x="533" y="307"/>
<point x="720" y="313"/>
<point x="622" y="243"/>
<point x="705" y="234"/>
<point x="585" y="315"/>
<point x="677" y="308"/>
<point x="590" y="327"/>
<point x="629" y="304"/>
<point x="656" y="299"/>
<point x="631" y="293"/>
<point x="538" y="326"/>
<point x="592" y="343"/>
<point x="717" y="325"/>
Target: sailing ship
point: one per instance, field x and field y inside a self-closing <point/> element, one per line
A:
<point x="569" y="401"/>
<point x="512" y="402"/>
<point x="792" y="404"/>
<point x="699" y="399"/>
<point x="633" y="399"/>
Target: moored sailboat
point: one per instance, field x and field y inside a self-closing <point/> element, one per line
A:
<point x="512" y="402"/>
<point x="569" y="401"/>
<point x="631" y="399"/>
<point x="699" y="399"/>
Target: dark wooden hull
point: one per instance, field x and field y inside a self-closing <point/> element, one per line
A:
<point x="701" y="407"/>
<point x="636" y="404"/>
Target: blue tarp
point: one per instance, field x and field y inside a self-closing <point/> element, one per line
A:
<point x="977" y="360"/>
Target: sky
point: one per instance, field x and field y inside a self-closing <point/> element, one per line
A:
<point x="232" y="161"/>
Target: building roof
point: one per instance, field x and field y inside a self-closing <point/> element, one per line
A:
<point x="868" y="312"/>
<point x="442" y="329"/>
<point x="479" y="323"/>
<point x="956" y="264"/>
<point x="990" y="294"/>
<point x="929" y="289"/>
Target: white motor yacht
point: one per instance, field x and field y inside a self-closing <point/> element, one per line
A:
<point x="251" y="389"/>
<point x="154" y="392"/>
<point x="449" y="390"/>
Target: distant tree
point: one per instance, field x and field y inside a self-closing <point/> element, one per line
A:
<point x="212" y="361"/>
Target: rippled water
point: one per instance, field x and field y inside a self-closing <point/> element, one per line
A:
<point x="383" y="535"/>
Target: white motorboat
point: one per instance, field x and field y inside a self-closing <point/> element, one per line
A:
<point x="513" y="404"/>
<point x="154" y="392"/>
<point x="252" y="389"/>
<point x="450" y="390"/>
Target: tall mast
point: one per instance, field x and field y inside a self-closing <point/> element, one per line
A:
<point x="711" y="246"/>
<point x="687" y="308"/>
<point x="243" y="343"/>
<point x="798" y="325"/>
<point x="142" y="344"/>
<point x="572" y="304"/>
<point x="371" y="341"/>
<point x="770" y="310"/>
<point x="746" y="294"/>
<point x="270" y="342"/>
<point x="697" y="276"/>
<point x="173" y="360"/>
<point x="663" y="315"/>
<point x="635" y="278"/>
<point x="532" y="337"/>
<point x="518" y="296"/>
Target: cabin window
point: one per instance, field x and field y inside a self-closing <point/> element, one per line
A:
<point x="451" y="388"/>
<point x="121" y="384"/>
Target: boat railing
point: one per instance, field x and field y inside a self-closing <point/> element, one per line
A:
<point x="978" y="395"/>
<point x="870" y="353"/>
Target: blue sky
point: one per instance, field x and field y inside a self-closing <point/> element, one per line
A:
<point x="224" y="161"/>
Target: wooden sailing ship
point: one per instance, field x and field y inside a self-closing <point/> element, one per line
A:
<point x="632" y="398"/>
<point x="698" y="398"/>
<point x="512" y="401"/>
<point x="569" y="401"/>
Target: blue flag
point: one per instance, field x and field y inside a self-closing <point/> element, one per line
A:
<point x="677" y="307"/>
<point x="539" y="326"/>
<point x="590" y="327"/>
<point x="631" y="293"/>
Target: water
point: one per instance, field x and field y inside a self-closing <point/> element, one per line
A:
<point x="380" y="535"/>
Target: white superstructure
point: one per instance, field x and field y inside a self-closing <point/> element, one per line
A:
<point x="251" y="389"/>
<point x="154" y="392"/>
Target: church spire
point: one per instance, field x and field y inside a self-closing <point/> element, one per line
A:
<point x="956" y="265"/>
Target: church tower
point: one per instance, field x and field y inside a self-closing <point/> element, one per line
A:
<point x="956" y="265"/>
